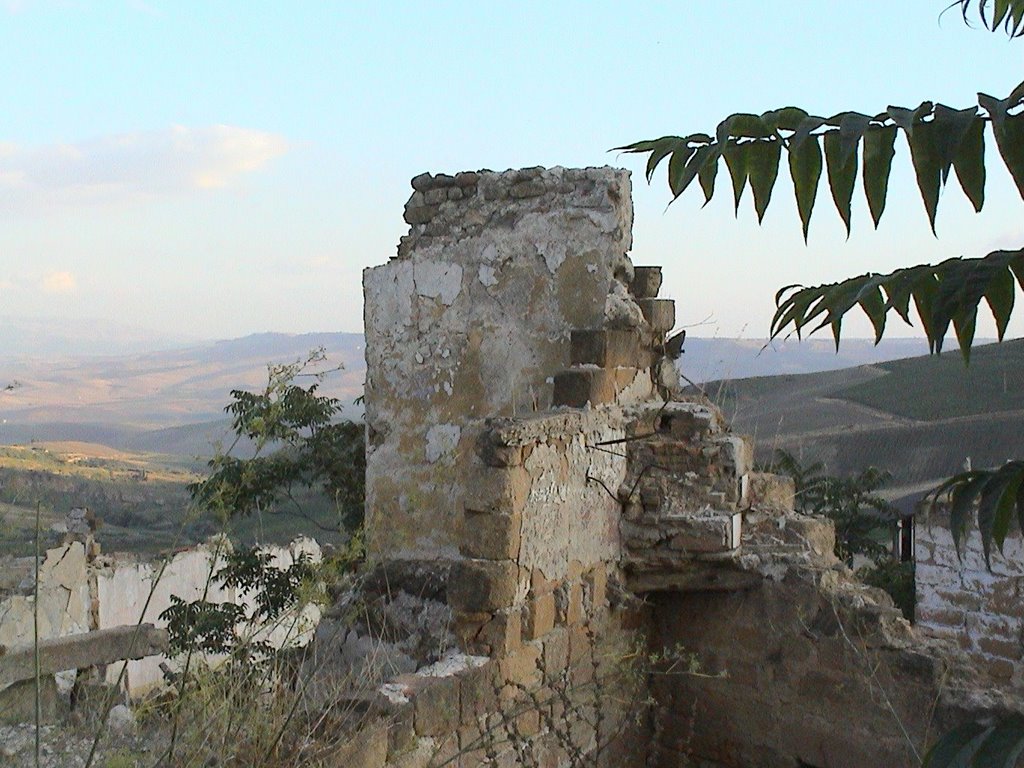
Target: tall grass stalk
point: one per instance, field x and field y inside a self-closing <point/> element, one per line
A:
<point x="35" y="646"/>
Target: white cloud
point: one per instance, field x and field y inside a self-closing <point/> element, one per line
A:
<point x="58" y="282"/>
<point x="128" y="166"/>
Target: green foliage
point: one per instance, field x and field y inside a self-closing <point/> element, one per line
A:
<point x="946" y="294"/>
<point x="974" y="745"/>
<point x="225" y="628"/>
<point x="298" y="446"/>
<point x="941" y="140"/>
<point x="309" y="450"/>
<point x="996" y="494"/>
<point x="863" y="521"/>
<point x="1007" y="15"/>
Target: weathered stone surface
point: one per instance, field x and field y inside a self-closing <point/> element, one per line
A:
<point x="491" y="536"/>
<point x="437" y="707"/>
<point x="473" y="322"/>
<point x="770" y="493"/>
<point x="540" y="616"/>
<point x="497" y="491"/>
<point x="87" y="649"/>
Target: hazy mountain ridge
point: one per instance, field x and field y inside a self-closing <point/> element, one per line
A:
<point x="172" y="401"/>
<point x="168" y="401"/>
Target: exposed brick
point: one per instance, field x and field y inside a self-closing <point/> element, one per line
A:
<point x="540" y="617"/>
<point x="576" y="387"/>
<point x="659" y="313"/>
<point x="574" y="613"/>
<point x="491" y="536"/>
<point x="597" y="581"/>
<point x="503" y="633"/>
<point x="539" y="584"/>
<point x="479" y="691"/>
<point x="556" y="651"/>
<point x="478" y="586"/>
<point x="646" y="282"/>
<point x="521" y="668"/>
<point x="1003" y="648"/>
<point x="607" y="348"/>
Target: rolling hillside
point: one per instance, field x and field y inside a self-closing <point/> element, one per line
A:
<point x="918" y="418"/>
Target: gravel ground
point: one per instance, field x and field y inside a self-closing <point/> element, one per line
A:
<point x="67" y="747"/>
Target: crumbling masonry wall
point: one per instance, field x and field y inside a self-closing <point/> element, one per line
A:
<point x="472" y="319"/>
<point x="601" y="542"/>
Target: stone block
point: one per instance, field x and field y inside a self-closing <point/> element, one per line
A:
<point x="491" y="536"/>
<point x="18" y="702"/>
<point x="646" y="282"/>
<point x="574" y="613"/>
<point x="420" y="214"/>
<point x="493" y="453"/>
<point x="367" y="748"/>
<point x="494" y="490"/>
<point x="607" y="348"/>
<point x="708" y="531"/>
<point x="502" y="634"/>
<point x="479" y="691"/>
<point x="768" y="492"/>
<point x="437" y="710"/>
<point x="478" y="586"/>
<point x="576" y="387"/>
<point x="87" y="649"/>
<point x="522" y="668"/>
<point x="540" y="584"/>
<point x="597" y="586"/>
<point x="556" y="651"/>
<point x="540" y="616"/>
<point x="401" y="730"/>
<point x="660" y="314"/>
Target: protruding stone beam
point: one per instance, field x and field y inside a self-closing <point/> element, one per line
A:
<point x="88" y="649"/>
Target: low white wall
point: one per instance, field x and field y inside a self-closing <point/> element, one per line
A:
<point x="78" y="596"/>
<point x="960" y="599"/>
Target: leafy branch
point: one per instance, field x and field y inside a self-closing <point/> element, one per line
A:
<point x="1008" y="14"/>
<point x="945" y="294"/>
<point x="941" y="140"/>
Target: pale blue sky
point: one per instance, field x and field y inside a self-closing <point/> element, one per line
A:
<point x="218" y="168"/>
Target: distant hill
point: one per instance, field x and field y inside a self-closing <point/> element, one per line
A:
<point x="918" y="418"/>
<point x="714" y="359"/>
<point x="51" y="338"/>
<point x="171" y="400"/>
<point x="167" y="401"/>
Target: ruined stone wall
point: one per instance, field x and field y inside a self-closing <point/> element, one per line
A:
<point x="601" y="540"/>
<point x="471" y="320"/>
<point x="960" y="599"/>
<point x="792" y="673"/>
<point x="81" y="591"/>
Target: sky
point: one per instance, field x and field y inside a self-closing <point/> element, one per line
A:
<point x="214" y="169"/>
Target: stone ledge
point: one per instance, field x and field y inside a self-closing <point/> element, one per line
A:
<point x="88" y="649"/>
